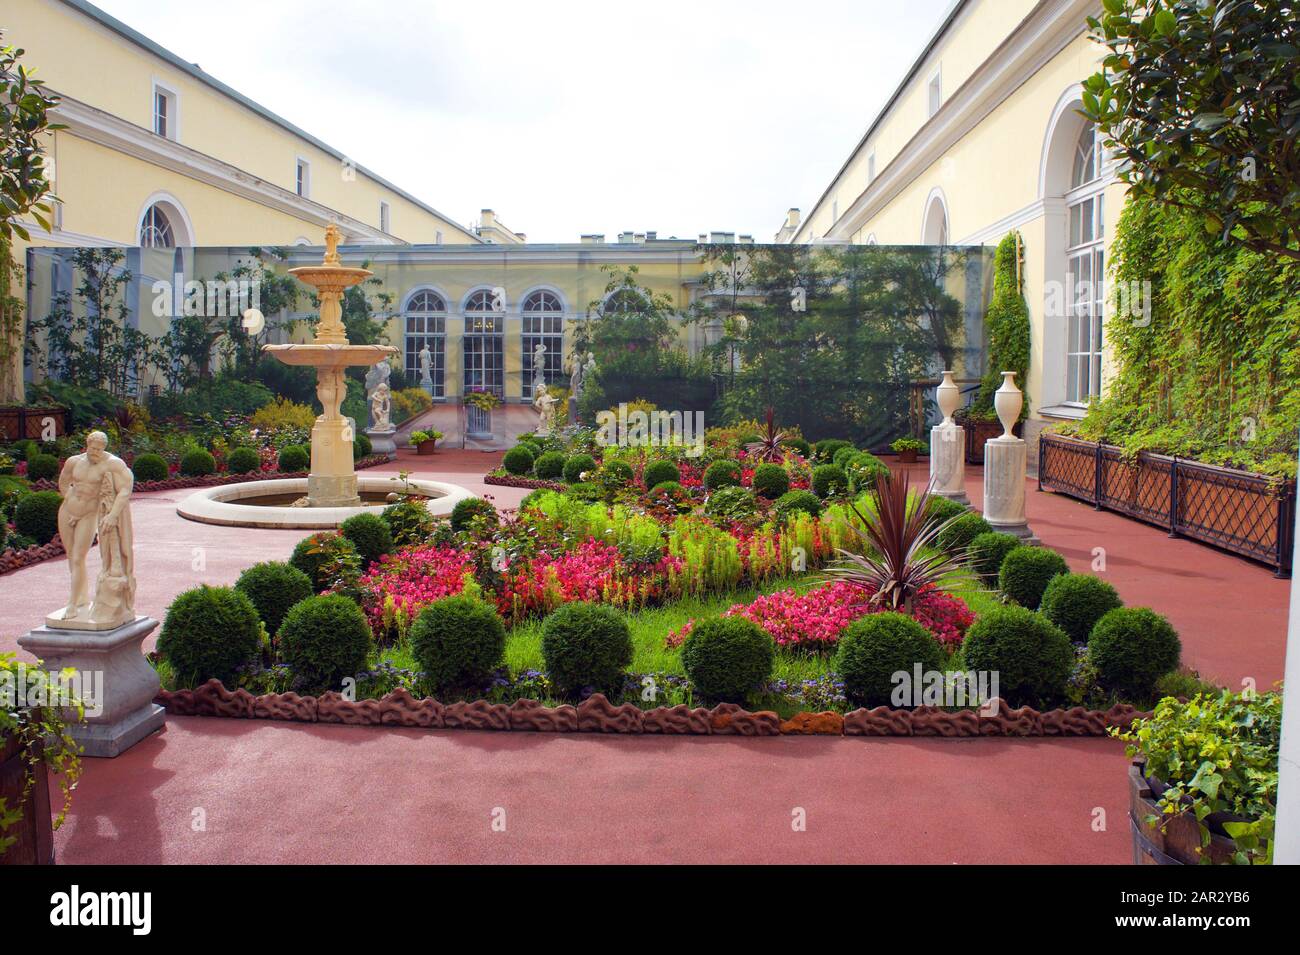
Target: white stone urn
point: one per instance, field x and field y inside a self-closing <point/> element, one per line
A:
<point x="1008" y="400"/>
<point x="948" y="396"/>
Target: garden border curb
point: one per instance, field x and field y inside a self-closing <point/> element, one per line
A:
<point x="532" y="484"/>
<point x="13" y="560"/>
<point x="596" y="714"/>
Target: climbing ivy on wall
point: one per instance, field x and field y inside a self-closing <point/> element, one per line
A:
<point x="1210" y="370"/>
<point x="1007" y="321"/>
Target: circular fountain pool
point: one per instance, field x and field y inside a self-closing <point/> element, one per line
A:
<point x="270" y="503"/>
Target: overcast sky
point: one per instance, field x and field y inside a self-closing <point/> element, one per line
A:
<point x="569" y="117"/>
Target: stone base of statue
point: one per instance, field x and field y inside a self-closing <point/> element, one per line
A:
<point x="115" y="680"/>
<point x="1004" y="487"/>
<point x="948" y="462"/>
<point x="426" y="383"/>
<point x="381" y="441"/>
<point x="573" y="410"/>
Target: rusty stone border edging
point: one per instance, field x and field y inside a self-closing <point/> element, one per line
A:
<point x="597" y="715"/>
<point x="532" y="484"/>
<point x="11" y="560"/>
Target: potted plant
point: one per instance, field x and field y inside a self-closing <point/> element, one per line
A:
<point x="425" y="442"/>
<point x="479" y="404"/>
<point x="34" y="740"/>
<point x="907" y="449"/>
<point x="1203" y="783"/>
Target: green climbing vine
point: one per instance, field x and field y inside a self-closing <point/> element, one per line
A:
<point x="11" y="318"/>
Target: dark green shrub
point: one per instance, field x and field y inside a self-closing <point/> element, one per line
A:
<point x="324" y="640"/>
<point x="616" y="473"/>
<point x="197" y="462"/>
<point x="745" y="440"/>
<point x="209" y="633"/>
<point x="799" y="446"/>
<point x="1025" y="572"/>
<point x="987" y="551"/>
<point x="361" y="446"/>
<point x="1132" y="648"/>
<point x="657" y="472"/>
<point x="274" y="586"/>
<point x="149" y="467"/>
<point x="943" y="508"/>
<point x="770" y="480"/>
<point x="798" y="500"/>
<point x="577" y="465"/>
<point x="841" y="456"/>
<point x="862" y="469"/>
<point x="458" y="642"/>
<point x="409" y="522"/>
<point x="1075" y="602"/>
<point x="294" y="458"/>
<point x="586" y="645"/>
<point x="727" y="658"/>
<point x="369" y="535"/>
<point x="472" y="511"/>
<point x="828" y="480"/>
<point x="519" y="459"/>
<point x="43" y="467"/>
<point x="730" y="504"/>
<point x="585" y="491"/>
<point x="549" y="466"/>
<point x="671" y="494"/>
<point x="957" y="536"/>
<point x="37" y="515"/>
<point x="317" y="554"/>
<point x="1031" y="655"/>
<point x="243" y="461"/>
<point x="825" y="449"/>
<point x="875" y="647"/>
<point x="722" y="474"/>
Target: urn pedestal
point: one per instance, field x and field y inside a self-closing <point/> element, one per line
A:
<point x="381" y="441"/>
<point x="1005" y="460"/>
<point x="948" y="462"/>
<point x="116" y="682"/>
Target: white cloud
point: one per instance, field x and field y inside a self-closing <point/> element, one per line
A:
<point x="570" y="117"/>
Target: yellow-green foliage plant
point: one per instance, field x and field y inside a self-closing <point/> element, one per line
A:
<point x="283" y="413"/>
<point x="710" y="557"/>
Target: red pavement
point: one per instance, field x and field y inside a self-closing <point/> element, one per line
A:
<point x="292" y="793"/>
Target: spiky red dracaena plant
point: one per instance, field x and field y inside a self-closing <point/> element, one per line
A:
<point x="898" y="556"/>
<point x="769" y="446"/>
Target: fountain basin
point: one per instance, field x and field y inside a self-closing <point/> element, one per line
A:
<point x="266" y="503"/>
<point x="329" y="356"/>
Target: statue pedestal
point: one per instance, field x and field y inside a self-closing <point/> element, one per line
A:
<point x="1005" y="460"/>
<point x="381" y="441"/>
<point x="426" y="383"/>
<point x="573" y="410"/>
<point x="948" y="462"/>
<point x="332" y="481"/>
<point x="114" y="677"/>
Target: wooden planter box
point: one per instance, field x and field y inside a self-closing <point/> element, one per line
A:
<point x="1242" y="512"/>
<point x="978" y="432"/>
<point x="17" y="423"/>
<point x="1172" y="840"/>
<point x="35" y="845"/>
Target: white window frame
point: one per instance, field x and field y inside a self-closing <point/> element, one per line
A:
<point x="385" y="217"/>
<point x="934" y="91"/>
<point x="172" y="99"/>
<point x="302" y="177"/>
<point x="1085" y="299"/>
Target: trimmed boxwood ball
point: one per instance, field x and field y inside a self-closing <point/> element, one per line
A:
<point x="152" y="467"/>
<point x="987" y="551"/>
<point x="210" y="632"/>
<point x="549" y="466"/>
<point x="1075" y="602"/>
<point x="468" y="509"/>
<point x="197" y="462"/>
<point x="799" y="446"/>
<point x="519" y="459"/>
<point x="586" y="645"/>
<point x="293" y="457"/>
<point x="722" y="474"/>
<point x="727" y="658"/>
<point x="274" y="586"/>
<point x="43" y="467"/>
<point x="361" y="446"/>
<point x="942" y="508"/>
<point x="657" y="472"/>
<point x="875" y="647"/>
<point x="863" y="468"/>
<point x="957" y="536"/>
<point x="825" y="449"/>
<point x="369" y="535"/>
<point x="1031" y="655"/>
<point x="37" y="515"/>
<point x="1025" y="572"/>
<point x="576" y="465"/>
<point x="770" y="480"/>
<point x="730" y="503"/>
<point x="1132" y="648"/>
<point x="242" y="461"/>
<point x="310" y="563"/>
<point x="841" y="456"/>
<point x="324" y="639"/>
<point x="458" y="642"/>
<point x="618" y="472"/>
<point x="828" y="479"/>
<point x="799" y="500"/>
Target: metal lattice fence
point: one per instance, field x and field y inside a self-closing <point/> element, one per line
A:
<point x="1242" y="512"/>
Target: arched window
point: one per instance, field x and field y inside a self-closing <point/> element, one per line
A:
<point x="934" y="226"/>
<point x="543" y="324"/>
<point x="625" y="300"/>
<point x="1085" y="270"/>
<point x="156" y="229"/>
<point x="483" y="343"/>
<point x="426" y="324"/>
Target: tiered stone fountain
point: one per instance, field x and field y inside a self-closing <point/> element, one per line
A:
<point x="333" y="492"/>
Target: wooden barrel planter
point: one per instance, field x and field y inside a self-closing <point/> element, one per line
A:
<point x="1172" y="839"/>
<point x="35" y="833"/>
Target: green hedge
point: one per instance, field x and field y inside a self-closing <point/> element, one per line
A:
<point x="727" y="658"/>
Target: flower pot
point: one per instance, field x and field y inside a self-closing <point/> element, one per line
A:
<point x="1172" y="839"/>
<point x="907" y="457"/>
<point x="426" y="447"/>
<point x="34" y="830"/>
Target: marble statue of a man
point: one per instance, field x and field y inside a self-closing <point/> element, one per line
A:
<point x="539" y="365"/>
<point x="96" y="488"/>
<point x="426" y="363"/>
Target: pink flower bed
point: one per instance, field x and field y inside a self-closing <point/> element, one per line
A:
<point x="595" y="571"/>
<point x="409" y="582"/>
